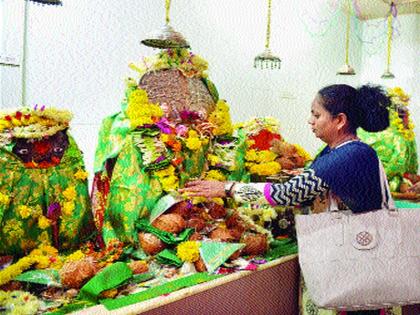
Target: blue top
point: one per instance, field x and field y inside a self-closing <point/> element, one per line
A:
<point x="352" y="173"/>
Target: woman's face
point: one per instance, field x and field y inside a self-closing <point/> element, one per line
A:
<point x="323" y="124"/>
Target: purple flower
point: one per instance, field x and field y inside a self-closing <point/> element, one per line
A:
<point x="164" y="126"/>
<point x="160" y="159"/>
<point x="42" y="108"/>
<point x="54" y="211"/>
<point x="187" y="115"/>
<point x="225" y="141"/>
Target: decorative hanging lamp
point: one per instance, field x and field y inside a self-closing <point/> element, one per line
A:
<point x="392" y="13"/>
<point x="346" y="69"/>
<point x="166" y="37"/>
<point x="52" y="2"/>
<point x="267" y="59"/>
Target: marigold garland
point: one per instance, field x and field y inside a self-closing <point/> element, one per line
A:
<point x="33" y="123"/>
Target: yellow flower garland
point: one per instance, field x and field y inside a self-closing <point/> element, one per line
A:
<point x="32" y="123"/>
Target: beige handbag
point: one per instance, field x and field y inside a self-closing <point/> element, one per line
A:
<point x="361" y="261"/>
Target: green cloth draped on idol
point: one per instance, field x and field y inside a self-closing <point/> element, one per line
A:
<point x="44" y="196"/>
<point x="157" y="141"/>
<point x="395" y="146"/>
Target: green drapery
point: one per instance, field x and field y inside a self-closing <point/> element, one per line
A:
<point x="37" y="189"/>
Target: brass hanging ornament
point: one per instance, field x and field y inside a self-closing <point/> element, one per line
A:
<point x="267" y="60"/>
<point x="51" y="2"/>
<point x="346" y="69"/>
<point x="388" y="74"/>
<point x="166" y="37"/>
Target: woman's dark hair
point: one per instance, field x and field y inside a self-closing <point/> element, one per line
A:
<point x="365" y="107"/>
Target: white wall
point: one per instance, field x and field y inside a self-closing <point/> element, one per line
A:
<point x="11" y="38"/>
<point x="78" y="56"/>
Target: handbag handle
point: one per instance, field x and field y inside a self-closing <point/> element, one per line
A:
<point x="387" y="201"/>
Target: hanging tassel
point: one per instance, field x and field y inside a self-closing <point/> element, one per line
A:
<point x="392" y="13"/>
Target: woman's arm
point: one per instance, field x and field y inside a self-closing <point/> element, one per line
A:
<point x="298" y="189"/>
<point x="303" y="187"/>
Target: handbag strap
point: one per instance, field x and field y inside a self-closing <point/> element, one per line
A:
<point x="387" y="201"/>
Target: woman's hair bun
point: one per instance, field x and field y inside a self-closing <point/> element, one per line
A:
<point x="373" y="104"/>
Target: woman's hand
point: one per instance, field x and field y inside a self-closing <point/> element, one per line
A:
<point x="204" y="188"/>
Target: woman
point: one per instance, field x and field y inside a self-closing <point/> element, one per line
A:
<point x="346" y="169"/>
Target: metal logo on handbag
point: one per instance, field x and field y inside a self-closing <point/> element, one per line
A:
<point x="365" y="238"/>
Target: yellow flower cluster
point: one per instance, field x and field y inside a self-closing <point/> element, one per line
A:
<point x="168" y="178"/>
<point x="4" y="199"/>
<point x="261" y="156"/>
<point x="81" y="174"/>
<point x="220" y="119"/>
<point x="262" y="162"/>
<point x="47" y="257"/>
<point x="397" y="122"/>
<point x="265" y="169"/>
<point x="14" y="230"/>
<point x="70" y="195"/>
<point x="302" y="152"/>
<point x="193" y="141"/>
<point x="188" y="251"/>
<point x="24" y="211"/>
<point x="140" y="111"/>
<point x="77" y="255"/>
<point x="215" y="175"/>
<point x="398" y="96"/>
<point x="19" y="302"/>
<point x="43" y="222"/>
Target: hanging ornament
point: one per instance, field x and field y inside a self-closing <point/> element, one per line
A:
<point x="346" y="69"/>
<point x="166" y="37"/>
<point x="52" y="2"/>
<point x="392" y="13"/>
<point x="267" y="59"/>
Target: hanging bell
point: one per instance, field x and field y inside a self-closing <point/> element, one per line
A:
<point x="267" y="60"/>
<point x="166" y="37"/>
<point x="388" y="75"/>
<point x="346" y="69"/>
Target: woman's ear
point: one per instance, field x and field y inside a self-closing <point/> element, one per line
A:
<point x="342" y="121"/>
